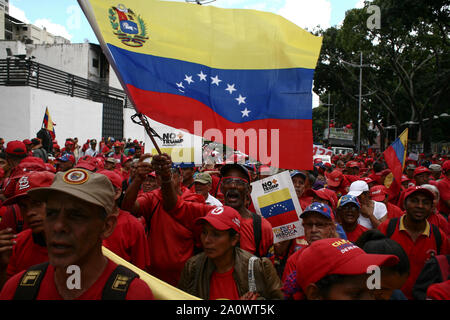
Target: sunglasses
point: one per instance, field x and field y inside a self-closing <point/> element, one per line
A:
<point x="236" y="180"/>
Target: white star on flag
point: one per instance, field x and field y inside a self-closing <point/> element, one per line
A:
<point x="245" y="112"/>
<point x="216" y="80"/>
<point x="230" y="88"/>
<point x="241" y="99"/>
<point x="180" y="85"/>
<point x="188" y="79"/>
<point x="202" y="76"/>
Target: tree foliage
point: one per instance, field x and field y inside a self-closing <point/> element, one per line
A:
<point x="406" y="69"/>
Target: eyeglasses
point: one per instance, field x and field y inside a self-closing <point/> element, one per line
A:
<point x="236" y="180"/>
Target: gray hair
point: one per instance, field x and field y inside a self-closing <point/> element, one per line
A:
<point x="432" y="189"/>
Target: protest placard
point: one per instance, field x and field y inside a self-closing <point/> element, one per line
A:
<point x="275" y="199"/>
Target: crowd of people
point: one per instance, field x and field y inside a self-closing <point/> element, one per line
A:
<point x="196" y="227"/>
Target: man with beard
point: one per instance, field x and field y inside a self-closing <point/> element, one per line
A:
<point x="256" y="234"/>
<point x="415" y="234"/>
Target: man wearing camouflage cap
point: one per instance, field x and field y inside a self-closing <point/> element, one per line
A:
<point x="78" y="218"/>
<point x="202" y="185"/>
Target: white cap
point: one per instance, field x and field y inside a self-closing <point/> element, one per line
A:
<point x="358" y="187"/>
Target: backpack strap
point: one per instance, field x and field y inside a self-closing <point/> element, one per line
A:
<point x="438" y="238"/>
<point x="391" y="227"/>
<point x="149" y="219"/>
<point x="116" y="288"/>
<point x="30" y="282"/>
<point x="257" y="232"/>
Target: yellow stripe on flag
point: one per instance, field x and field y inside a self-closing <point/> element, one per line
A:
<point x="215" y="37"/>
<point x="178" y="155"/>
<point x="404" y="140"/>
<point x="274" y="197"/>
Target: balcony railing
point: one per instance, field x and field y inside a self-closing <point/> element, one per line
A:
<point x="25" y="72"/>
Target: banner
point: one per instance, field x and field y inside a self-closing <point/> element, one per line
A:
<point x="275" y="199"/>
<point x="321" y="151"/>
<point x="185" y="149"/>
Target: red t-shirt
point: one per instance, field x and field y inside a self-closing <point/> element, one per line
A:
<point x="172" y="234"/>
<point x="393" y="211"/>
<point x="247" y="237"/>
<point x="439" y="291"/>
<point x="355" y="234"/>
<point x="138" y="289"/>
<point x="418" y="252"/>
<point x="129" y="241"/>
<point x="26" y="252"/>
<point x="223" y="286"/>
<point x="444" y="192"/>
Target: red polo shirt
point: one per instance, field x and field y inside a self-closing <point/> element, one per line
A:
<point x="223" y="286"/>
<point x="418" y="252"/>
<point x="171" y="234"/>
<point x="27" y="252"/>
<point x="129" y="241"/>
<point x="138" y="289"/>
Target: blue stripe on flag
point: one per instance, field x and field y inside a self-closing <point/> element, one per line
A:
<point x="278" y="208"/>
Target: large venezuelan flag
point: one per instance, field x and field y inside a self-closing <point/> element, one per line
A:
<point x="228" y="68"/>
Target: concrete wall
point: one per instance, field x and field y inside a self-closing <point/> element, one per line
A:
<point x="2" y="24"/>
<point x="16" y="47"/>
<point x="73" y="58"/>
<point x="23" y="110"/>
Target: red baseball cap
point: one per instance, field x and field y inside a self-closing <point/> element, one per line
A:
<point x="27" y="141"/>
<point x="405" y="178"/>
<point x="446" y="165"/>
<point x="378" y="193"/>
<point x="29" y="181"/>
<point x="115" y="178"/>
<point x="420" y="170"/>
<point x="325" y="194"/>
<point x="336" y="256"/>
<point x="16" y="147"/>
<point x="334" y="178"/>
<point x="383" y="173"/>
<point x="222" y="218"/>
<point x="415" y="189"/>
<point x="87" y="163"/>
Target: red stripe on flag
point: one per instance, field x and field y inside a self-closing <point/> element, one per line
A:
<point x="282" y="219"/>
<point x="295" y="136"/>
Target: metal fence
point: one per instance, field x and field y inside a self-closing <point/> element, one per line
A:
<point x="25" y="72"/>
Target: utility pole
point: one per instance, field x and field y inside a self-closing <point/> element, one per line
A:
<point x="360" y="66"/>
<point x="328" y="105"/>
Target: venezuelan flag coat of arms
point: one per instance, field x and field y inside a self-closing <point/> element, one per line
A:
<point x="129" y="27"/>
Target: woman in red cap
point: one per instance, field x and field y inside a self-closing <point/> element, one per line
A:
<point x="222" y="270"/>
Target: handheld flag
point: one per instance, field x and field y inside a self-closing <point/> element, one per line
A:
<point x="232" y="74"/>
<point x="48" y="124"/>
<point x="395" y="156"/>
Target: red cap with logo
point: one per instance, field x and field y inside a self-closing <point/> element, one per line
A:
<point x="29" y="181"/>
<point x="336" y="256"/>
<point x="222" y="218"/>
<point x="16" y="148"/>
<point x="335" y="178"/>
<point x="378" y="193"/>
<point x="415" y="189"/>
